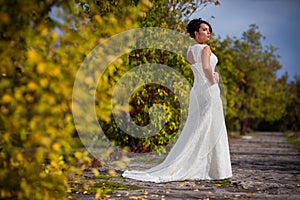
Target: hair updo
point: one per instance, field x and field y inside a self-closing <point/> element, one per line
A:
<point x="194" y="25"/>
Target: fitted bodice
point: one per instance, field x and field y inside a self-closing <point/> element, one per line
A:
<point x="194" y="55"/>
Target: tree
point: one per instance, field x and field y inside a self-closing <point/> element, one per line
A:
<point x="172" y="14"/>
<point x="291" y="119"/>
<point x="260" y="95"/>
<point x="230" y="75"/>
<point x="40" y="54"/>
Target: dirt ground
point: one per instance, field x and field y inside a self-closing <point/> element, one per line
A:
<point x="265" y="166"/>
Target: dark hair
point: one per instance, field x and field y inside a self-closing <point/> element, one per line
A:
<point x="194" y="25"/>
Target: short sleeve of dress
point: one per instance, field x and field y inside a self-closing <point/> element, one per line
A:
<point x="194" y="53"/>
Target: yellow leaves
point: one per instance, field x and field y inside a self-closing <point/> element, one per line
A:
<point x="45" y="141"/>
<point x="98" y="19"/>
<point x="5" y="137"/>
<point x="18" y="95"/>
<point x="33" y="57"/>
<point x="112" y="172"/>
<point x="145" y="5"/>
<point x="32" y="86"/>
<point x="55" y="71"/>
<point x="89" y="81"/>
<point x="57" y="164"/>
<point x="29" y="98"/>
<point x="78" y="155"/>
<point x="50" y="99"/>
<point x="142" y="14"/>
<point x="56" y="146"/>
<point x="249" y="194"/>
<point x="95" y="172"/>
<point x="162" y="92"/>
<point x="41" y="67"/>
<point x="19" y="158"/>
<point x="38" y="116"/>
<point x="98" y="195"/>
<point x="54" y="35"/>
<point x="4" y="17"/>
<point x="44" y="31"/>
<point x="44" y="82"/>
<point x="179" y="27"/>
<point x="23" y="184"/>
<point x="7" y="98"/>
<point x="33" y="123"/>
<point x="49" y="2"/>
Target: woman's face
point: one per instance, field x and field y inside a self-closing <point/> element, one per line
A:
<point x="203" y="35"/>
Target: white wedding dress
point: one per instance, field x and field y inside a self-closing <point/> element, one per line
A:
<point x="201" y="151"/>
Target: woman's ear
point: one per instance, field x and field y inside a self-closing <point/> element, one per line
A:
<point x="196" y="34"/>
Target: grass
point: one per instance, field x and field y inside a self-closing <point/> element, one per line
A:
<point x="295" y="141"/>
<point x="225" y="183"/>
<point x="99" y="184"/>
<point x="104" y="177"/>
<point x="108" y="187"/>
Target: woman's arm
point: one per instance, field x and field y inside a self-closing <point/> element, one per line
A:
<point x="206" y="65"/>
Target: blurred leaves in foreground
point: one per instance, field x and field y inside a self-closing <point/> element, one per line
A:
<point x="42" y="44"/>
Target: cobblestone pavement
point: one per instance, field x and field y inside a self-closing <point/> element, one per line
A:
<point x="265" y="166"/>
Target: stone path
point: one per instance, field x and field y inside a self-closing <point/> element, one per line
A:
<point x="264" y="167"/>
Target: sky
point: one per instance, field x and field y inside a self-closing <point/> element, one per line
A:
<point x="278" y="21"/>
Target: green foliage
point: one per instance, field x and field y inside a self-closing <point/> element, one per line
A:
<point x="40" y="57"/>
<point x="253" y="92"/>
<point x="145" y="97"/>
<point x="230" y="75"/>
<point x="291" y="119"/>
<point x="294" y="138"/>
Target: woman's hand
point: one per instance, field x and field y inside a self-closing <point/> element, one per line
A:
<point x="216" y="77"/>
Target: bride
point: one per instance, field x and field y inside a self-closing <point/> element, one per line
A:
<point x="201" y="151"/>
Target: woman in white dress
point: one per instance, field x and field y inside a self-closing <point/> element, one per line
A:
<point x="201" y="151"/>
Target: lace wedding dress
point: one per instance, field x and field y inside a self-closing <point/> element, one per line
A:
<point x="201" y="151"/>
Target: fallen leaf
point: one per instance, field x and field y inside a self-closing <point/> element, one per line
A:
<point x="95" y="171"/>
<point x="112" y="172"/>
<point x="245" y="187"/>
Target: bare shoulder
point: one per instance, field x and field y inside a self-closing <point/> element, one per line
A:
<point x="207" y="50"/>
